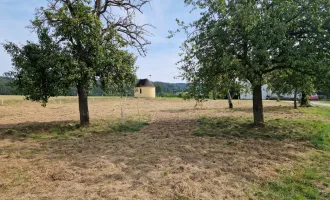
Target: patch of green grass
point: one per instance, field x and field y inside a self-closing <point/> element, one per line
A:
<point x="315" y="132"/>
<point x="308" y="180"/>
<point x="323" y="112"/>
<point x="128" y="126"/>
<point x="180" y="197"/>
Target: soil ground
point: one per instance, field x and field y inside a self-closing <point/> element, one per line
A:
<point x="164" y="160"/>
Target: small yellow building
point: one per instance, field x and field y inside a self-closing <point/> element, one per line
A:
<point x="145" y="88"/>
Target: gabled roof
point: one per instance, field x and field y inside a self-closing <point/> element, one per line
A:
<point x="144" y="83"/>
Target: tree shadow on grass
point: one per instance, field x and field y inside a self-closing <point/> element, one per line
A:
<point x="25" y="130"/>
<point x="314" y="132"/>
<point x="164" y="160"/>
<point x="71" y="129"/>
<point x="193" y="109"/>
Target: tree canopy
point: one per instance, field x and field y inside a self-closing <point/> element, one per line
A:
<point x="250" y="39"/>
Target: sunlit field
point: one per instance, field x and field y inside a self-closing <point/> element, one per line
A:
<point x="162" y="149"/>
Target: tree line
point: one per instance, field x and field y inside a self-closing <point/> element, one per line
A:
<point x="5" y="88"/>
<point x="170" y="89"/>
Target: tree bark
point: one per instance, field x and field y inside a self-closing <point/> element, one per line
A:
<point x="98" y="6"/>
<point x="230" y="101"/>
<point x="83" y="105"/>
<point x="258" y="111"/>
<point x="278" y="97"/>
<point x="295" y="99"/>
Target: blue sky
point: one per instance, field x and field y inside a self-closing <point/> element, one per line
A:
<point x="162" y="55"/>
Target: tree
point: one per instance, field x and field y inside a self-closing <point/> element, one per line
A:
<point x="322" y="83"/>
<point x="292" y="82"/>
<point x="159" y="89"/>
<point x="222" y="85"/>
<point x="80" y="43"/>
<point x="253" y="38"/>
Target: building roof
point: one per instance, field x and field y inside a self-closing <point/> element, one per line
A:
<point x="144" y="83"/>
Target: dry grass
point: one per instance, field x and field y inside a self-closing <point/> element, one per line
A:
<point x="164" y="160"/>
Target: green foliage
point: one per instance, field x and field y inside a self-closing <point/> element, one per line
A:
<point x="71" y="53"/>
<point x="36" y="77"/>
<point x="186" y="96"/>
<point x="5" y="86"/>
<point x="246" y="41"/>
<point x="316" y="132"/>
<point x="163" y="89"/>
<point x="290" y="81"/>
<point x="80" y="45"/>
<point x="323" y="82"/>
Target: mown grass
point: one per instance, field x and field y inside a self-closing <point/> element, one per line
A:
<point x="317" y="111"/>
<point x="307" y="180"/>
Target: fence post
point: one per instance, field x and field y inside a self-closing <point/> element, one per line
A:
<point x="122" y="116"/>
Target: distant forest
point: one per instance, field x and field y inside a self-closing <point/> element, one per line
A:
<point x="5" y="88"/>
<point x="169" y="89"/>
<point x="162" y="89"/>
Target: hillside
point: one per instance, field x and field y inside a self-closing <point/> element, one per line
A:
<point x="5" y="88"/>
<point x="169" y="88"/>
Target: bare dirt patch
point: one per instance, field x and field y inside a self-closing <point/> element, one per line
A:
<point x="162" y="161"/>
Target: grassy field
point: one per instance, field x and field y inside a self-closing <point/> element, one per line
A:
<point x="162" y="149"/>
<point x="328" y="102"/>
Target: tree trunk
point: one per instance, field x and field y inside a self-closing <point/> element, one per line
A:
<point x="258" y="111"/>
<point x="83" y="105"/>
<point x="230" y="101"/>
<point x="304" y="102"/>
<point x="295" y="99"/>
<point x="278" y="97"/>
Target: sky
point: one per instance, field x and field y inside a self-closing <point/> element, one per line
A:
<point x="162" y="55"/>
